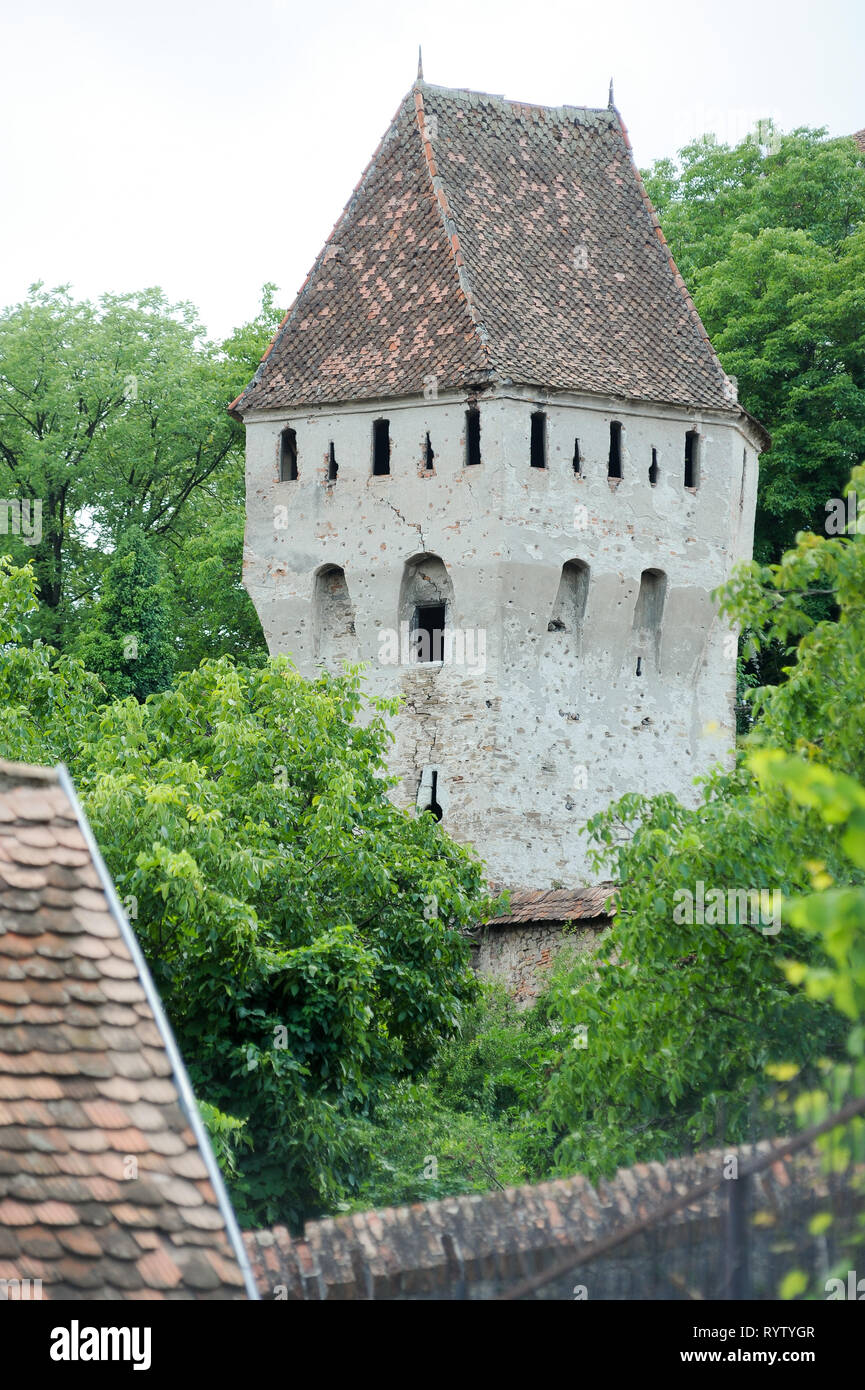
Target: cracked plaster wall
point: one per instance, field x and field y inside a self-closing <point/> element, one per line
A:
<point x="556" y="723"/>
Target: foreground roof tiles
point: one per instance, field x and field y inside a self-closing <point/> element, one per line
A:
<point x="494" y="242"/>
<point x="104" y="1188"/>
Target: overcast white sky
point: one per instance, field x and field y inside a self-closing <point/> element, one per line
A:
<point x="208" y="147"/>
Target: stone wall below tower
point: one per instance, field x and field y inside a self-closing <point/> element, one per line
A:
<point x="519" y="955"/>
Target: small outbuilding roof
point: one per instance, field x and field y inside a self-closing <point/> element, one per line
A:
<point x="557" y="905"/>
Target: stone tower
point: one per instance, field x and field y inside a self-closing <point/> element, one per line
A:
<point x="492" y="454"/>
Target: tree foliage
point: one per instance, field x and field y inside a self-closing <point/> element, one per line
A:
<point x="770" y="238"/>
<point x="111" y="414"/>
<point x="128" y="643"/>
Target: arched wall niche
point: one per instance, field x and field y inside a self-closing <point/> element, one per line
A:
<point x="333" y="630"/>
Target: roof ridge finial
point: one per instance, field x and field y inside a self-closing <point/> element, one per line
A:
<point x="419" y="64"/>
<point x="611" y="101"/>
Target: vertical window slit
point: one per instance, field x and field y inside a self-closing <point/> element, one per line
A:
<point x="434" y="808"/>
<point x="538" y="449"/>
<point x="288" y="456"/>
<point x="473" y="436"/>
<point x="692" y="459"/>
<point x="614" y="464"/>
<point x="380" y="447"/>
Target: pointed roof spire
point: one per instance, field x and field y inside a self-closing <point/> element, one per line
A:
<point x="611" y="101"/>
<point x="462" y="307"/>
<point x="419" y="64"/>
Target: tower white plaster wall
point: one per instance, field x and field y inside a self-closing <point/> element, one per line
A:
<point x="535" y="730"/>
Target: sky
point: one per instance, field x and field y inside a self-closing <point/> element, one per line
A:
<point x="210" y="147"/>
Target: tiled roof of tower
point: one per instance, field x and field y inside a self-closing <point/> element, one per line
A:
<point x="490" y="241"/>
<point x="859" y="137"/>
<point x="106" y="1188"/>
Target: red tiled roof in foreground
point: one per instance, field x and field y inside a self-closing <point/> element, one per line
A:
<point x="490" y="241"/>
<point x="557" y="905"/>
<point x="108" y="1188"/>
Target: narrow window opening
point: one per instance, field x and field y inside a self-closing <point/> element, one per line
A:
<point x="648" y="616"/>
<point x="380" y="448"/>
<point x="742" y="484"/>
<point x="434" y="808"/>
<point x="473" y="436"/>
<point x="578" y="461"/>
<point x="653" y="469"/>
<point x="692" y="459"/>
<point x="428" y="455"/>
<point x="332" y="465"/>
<point x="614" y="465"/>
<point x="428" y="632"/>
<point x="427" y="793"/>
<point x="288" y="456"/>
<point x="538" y="451"/>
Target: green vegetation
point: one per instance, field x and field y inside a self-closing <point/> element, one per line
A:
<point x="309" y="940"/>
<point x="770" y="237"/>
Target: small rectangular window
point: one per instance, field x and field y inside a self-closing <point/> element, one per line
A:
<point x="332" y="465"/>
<point x="614" y="464"/>
<point x="653" y="468"/>
<point x="539" y="440"/>
<point x="692" y="459"/>
<point x="473" y="436"/>
<point x="380" y="447"/>
<point x="578" y="460"/>
<point x="428" y="455"/>
<point x="288" y="456"/>
<point x="428" y="632"/>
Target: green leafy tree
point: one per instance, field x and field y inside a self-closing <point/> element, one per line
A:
<point x="46" y="699"/>
<point x="247" y="345"/>
<point x="111" y="415"/>
<point x="770" y="238"/>
<point x="305" y="935"/>
<point x="128" y="643"/>
<point x="211" y="613"/>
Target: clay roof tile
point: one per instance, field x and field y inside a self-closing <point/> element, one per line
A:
<point x="488" y="241"/>
<point x="90" y="1106"/>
